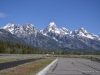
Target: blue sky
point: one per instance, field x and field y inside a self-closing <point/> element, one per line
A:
<point x="72" y="14"/>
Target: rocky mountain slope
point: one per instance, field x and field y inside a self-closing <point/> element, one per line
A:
<point x="53" y="37"/>
<point x="7" y="36"/>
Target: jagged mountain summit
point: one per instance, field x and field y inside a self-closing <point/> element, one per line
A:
<point x="31" y="35"/>
<point x="52" y="28"/>
<point x="54" y="37"/>
<point x="19" y="30"/>
<point x="83" y="33"/>
<point x="7" y="36"/>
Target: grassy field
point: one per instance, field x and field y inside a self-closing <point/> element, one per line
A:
<point x="3" y="60"/>
<point x="16" y="57"/>
<point x="30" y="68"/>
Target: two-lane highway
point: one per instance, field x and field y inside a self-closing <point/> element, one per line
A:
<point x="74" y="66"/>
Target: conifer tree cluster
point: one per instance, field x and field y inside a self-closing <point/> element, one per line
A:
<point x="16" y="48"/>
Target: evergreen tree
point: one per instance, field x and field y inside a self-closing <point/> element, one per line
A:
<point x="24" y="51"/>
<point x="3" y="49"/>
<point x="13" y="51"/>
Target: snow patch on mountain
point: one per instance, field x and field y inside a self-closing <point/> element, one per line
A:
<point x="60" y="36"/>
<point x="19" y="30"/>
<point x="52" y="28"/>
<point x="83" y="33"/>
<point x="12" y="27"/>
<point x="54" y="38"/>
<point x="51" y="31"/>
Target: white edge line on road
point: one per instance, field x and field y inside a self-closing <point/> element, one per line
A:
<point x="43" y="71"/>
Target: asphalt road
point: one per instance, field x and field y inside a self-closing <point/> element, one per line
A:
<point x="16" y="63"/>
<point x="74" y="66"/>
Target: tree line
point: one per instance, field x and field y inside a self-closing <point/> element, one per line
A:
<point x="19" y="48"/>
<point x="16" y="48"/>
<point x="77" y="52"/>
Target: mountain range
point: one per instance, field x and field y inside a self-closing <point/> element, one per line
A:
<point x="53" y="37"/>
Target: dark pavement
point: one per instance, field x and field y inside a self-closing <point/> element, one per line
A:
<point x="16" y="63"/>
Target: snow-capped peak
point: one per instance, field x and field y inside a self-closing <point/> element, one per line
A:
<point x="19" y="30"/>
<point x="65" y="31"/>
<point x="8" y="25"/>
<point x="83" y="30"/>
<point x="30" y="28"/>
<point x="52" y="24"/>
<point x="51" y="30"/>
<point x="51" y="27"/>
<point x="11" y="27"/>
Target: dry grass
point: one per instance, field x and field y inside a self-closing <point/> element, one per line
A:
<point x="27" y="69"/>
<point x="4" y="60"/>
<point x="16" y="57"/>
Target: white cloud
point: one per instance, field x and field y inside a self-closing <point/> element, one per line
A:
<point x="2" y="15"/>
